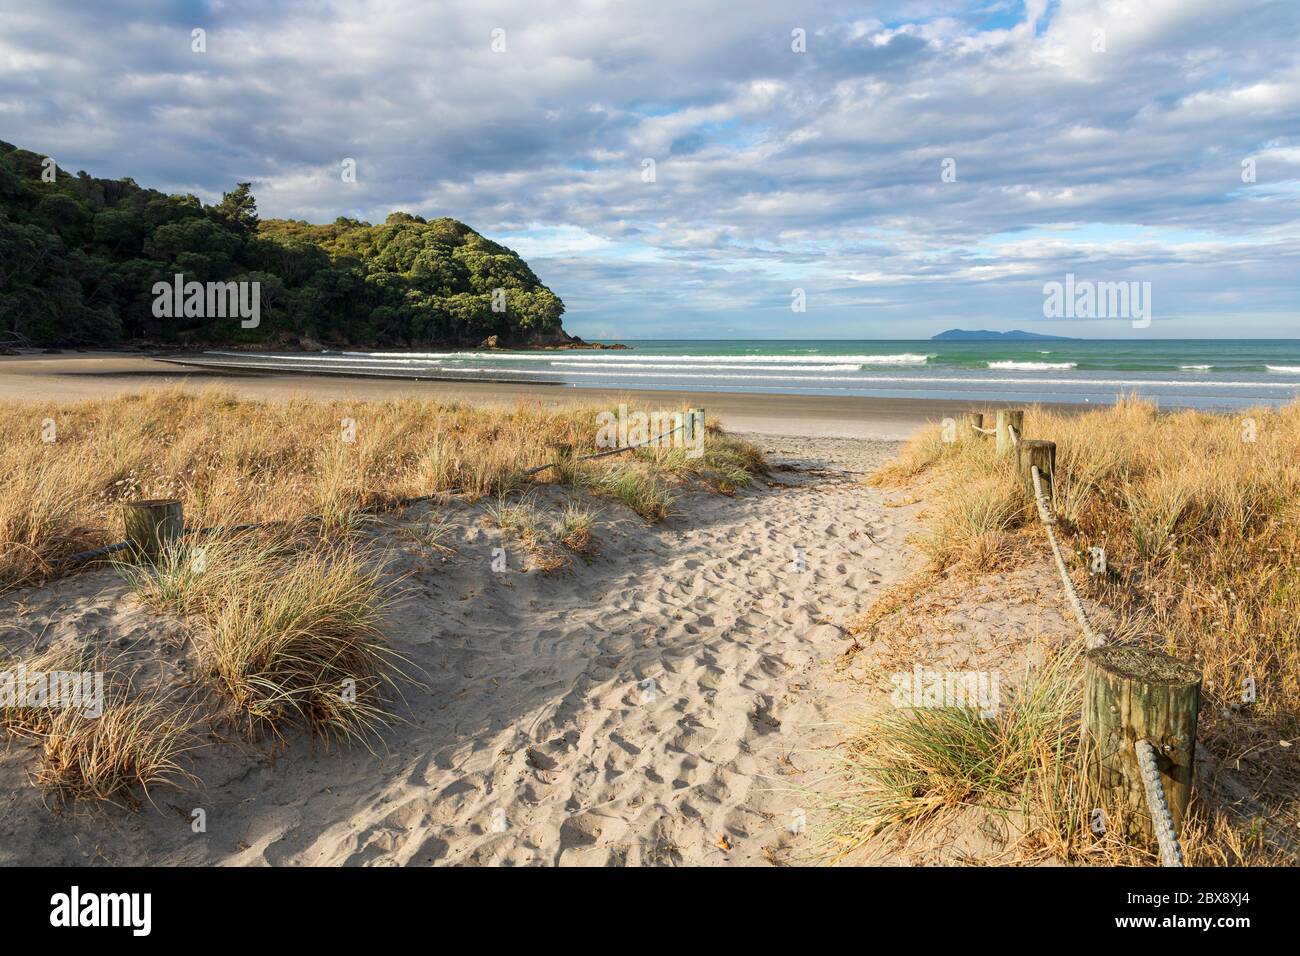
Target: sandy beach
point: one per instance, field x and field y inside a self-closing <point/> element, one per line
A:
<point x="667" y="695"/>
<point x="679" y="696"/>
<point x="675" y="700"/>
<point x="631" y="435"/>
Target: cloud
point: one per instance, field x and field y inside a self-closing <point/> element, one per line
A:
<point x="773" y="169"/>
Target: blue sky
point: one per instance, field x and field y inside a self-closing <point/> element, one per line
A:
<point x="1104" y="139"/>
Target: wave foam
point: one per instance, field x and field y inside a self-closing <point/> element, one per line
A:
<point x="621" y="356"/>
<point x="1034" y="366"/>
<point x="443" y="372"/>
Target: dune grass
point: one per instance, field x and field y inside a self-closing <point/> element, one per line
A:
<point x="105" y="749"/>
<point x="288" y="616"/>
<point x="550" y="542"/>
<point x="1199" y="518"/>
<point x="289" y="628"/>
<point x="234" y="462"/>
<point x="906" y="767"/>
<point x="138" y="741"/>
<point x="1201" y="531"/>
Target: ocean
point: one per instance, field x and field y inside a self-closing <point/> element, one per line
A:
<point x="1196" y="373"/>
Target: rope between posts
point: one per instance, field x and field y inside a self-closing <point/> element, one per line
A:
<point x="613" y="451"/>
<point x="1171" y="851"/>
<point x="1162" y="821"/>
<point x="1092" y="637"/>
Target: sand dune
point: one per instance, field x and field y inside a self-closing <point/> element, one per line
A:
<point x="662" y="704"/>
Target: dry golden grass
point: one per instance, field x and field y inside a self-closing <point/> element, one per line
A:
<point x="550" y="543"/>
<point x="905" y="768"/>
<point x="103" y="749"/>
<point x="136" y="742"/>
<point x="1201" y="531"/>
<point x="288" y="615"/>
<point x="1199" y="516"/>
<point x="289" y="628"/>
<point x="234" y="462"/>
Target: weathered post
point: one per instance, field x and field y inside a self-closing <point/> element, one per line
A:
<point x="697" y="425"/>
<point x="1033" y="452"/>
<point x="1132" y="694"/>
<point x="967" y="425"/>
<point x="152" y="525"/>
<point x="1009" y="418"/>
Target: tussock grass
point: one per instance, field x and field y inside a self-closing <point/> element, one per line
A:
<point x="1201" y="531"/>
<point x="103" y="750"/>
<point x="432" y="535"/>
<point x="968" y="527"/>
<point x="289" y="629"/>
<point x="906" y="767"/>
<point x="549" y="542"/>
<point x="634" y="483"/>
<point x="32" y="722"/>
<point x="241" y="462"/>
<point x="301" y="643"/>
<point x="136" y="742"/>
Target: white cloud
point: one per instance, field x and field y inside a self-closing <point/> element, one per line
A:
<point x="769" y="162"/>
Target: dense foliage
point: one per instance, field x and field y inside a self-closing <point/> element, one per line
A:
<point x="79" y="257"/>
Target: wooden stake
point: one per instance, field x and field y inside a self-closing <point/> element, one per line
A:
<point x="966" y="425"/>
<point x="152" y="525"/>
<point x="1009" y="418"/>
<point x="696" y="431"/>
<point x="1035" y="451"/>
<point x="1132" y="694"/>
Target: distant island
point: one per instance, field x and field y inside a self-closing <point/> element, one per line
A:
<point x="983" y="335"/>
<point x="80" y="258"/>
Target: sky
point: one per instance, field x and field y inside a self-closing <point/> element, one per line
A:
<point x="700" y="168"/>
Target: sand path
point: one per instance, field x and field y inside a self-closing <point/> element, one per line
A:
<point x="660" y="704"/>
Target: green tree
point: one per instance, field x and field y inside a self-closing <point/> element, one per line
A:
<point x="238" y="208"/>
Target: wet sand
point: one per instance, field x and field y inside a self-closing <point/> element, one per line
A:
<point x="82" y="375"/>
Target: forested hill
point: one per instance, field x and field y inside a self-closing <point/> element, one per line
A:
<point x="79" y="258"/>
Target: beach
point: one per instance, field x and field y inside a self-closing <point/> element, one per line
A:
<point x="668" y="695"/>
<point x="82" y="375"/>
<point x="685" y="692"/>
<point x="673" y="699"/>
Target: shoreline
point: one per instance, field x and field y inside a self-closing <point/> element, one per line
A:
<point x="80" y="376"/>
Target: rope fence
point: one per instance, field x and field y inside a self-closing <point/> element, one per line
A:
<point x="1141" y="721"/>
<point x="1118" y="679"/>
<point x="152" y="514"/>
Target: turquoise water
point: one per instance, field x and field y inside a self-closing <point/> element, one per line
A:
<point x="1201" y="373"/>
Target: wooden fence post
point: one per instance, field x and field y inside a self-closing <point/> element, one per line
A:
<point x="1132" y="694"/>
<point x="697" y="425"/>
<point x="152" y="525"/>
<point x="1009" y="418"/>
<point x="1035" y="451"/>
<point x="967" y="425"/>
